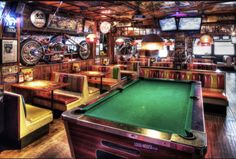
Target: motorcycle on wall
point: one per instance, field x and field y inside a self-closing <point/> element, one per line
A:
<point x="52" y="49"/>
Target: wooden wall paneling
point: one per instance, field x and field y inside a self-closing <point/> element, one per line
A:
<point x="55" y="68"/>
<point x="37" y="73"/>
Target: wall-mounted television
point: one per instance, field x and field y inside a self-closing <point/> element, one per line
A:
<point x="189" y="23"/>
<point x="168" y="24"/>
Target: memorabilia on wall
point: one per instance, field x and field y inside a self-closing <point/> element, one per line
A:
<point x="221" y="18"/>
<point x="9" y="51"/>
<point x="12" y="78"/>
<point x="120" y="24"/>
<point x="223" y="29"/>
<point x="38" y="18"/>
<point x="105" y="27"/>
<point x="6" y="70"/>
<point x="28" y="74"/>
<point x="88" y="26"/>
<point x="63" y="23"/>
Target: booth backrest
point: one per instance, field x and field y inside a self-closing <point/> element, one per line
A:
<point x="15" y="115"/>
<point x="209" y="79"/>
<point x="112" y="71"/>
<point x="76" y="82"/>
<point x="133" y="66"/>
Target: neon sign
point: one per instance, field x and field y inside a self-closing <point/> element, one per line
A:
<point x="10" y="24"/>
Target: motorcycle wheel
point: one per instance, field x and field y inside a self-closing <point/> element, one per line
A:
<point x="31" y="51"/>
<point x="84" y="52"/>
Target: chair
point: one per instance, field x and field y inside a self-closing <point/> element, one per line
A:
<point x="24" y="123"/>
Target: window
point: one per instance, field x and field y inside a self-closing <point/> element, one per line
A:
<point x="223" y="48"/>
<point x="200" y="50"/>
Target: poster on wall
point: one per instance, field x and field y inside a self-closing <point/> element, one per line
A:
<point x="64" y="23"/>
<point x="9" y="51"/>
<point x="88" y="26"/>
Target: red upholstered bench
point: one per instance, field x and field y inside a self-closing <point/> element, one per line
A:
<point x="213" y="83"/>
<point x="214" y="96"/>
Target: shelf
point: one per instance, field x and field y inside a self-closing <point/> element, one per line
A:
<point x="8" y="38"/>
<point x="45" y="31"/>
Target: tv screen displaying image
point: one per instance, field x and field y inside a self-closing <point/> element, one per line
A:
<point x="168" y="24"/>
<point x="190" y="23"/>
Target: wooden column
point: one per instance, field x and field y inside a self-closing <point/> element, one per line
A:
<point x="111" y="45"/>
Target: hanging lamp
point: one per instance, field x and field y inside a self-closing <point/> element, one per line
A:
<point x="206" y="40"/>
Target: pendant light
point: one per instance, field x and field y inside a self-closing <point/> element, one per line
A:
<point x="206" y="40"/>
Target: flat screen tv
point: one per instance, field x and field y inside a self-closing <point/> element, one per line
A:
<point x="168" y="24"/>
<point x="189" y="23"/>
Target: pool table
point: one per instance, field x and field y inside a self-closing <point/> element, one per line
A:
<point x="148" y="118"/>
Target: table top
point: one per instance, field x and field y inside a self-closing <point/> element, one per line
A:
<point x="93" y="73"/>
<point x="40" y="85"/>
<point x="166" y="110"/>
<point x="145" y="102"/>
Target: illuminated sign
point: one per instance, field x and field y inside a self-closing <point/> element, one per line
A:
<point x="9" y="24"/>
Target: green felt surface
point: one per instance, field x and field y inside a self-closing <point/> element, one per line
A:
<point x="154" y="104"/>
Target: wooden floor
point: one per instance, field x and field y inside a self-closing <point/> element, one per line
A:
<point x="221" y="135"/>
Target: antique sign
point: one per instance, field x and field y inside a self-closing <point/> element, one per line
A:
<point x="38" y="18"/>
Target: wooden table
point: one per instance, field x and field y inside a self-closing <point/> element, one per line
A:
<point x="41" y="85"/>
<point x="94" y="74"/>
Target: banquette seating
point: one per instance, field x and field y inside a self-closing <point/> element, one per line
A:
<point x="213" y="82"/>
<point x="131" y="71"/>
<point x="24" y="123"/>
<point x="75" y="94"/>
<point x="112" y="77"/>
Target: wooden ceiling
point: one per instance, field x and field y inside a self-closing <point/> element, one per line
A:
<point x="124" y="10"/>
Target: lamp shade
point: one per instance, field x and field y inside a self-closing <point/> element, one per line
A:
<point x="91" y="38"/>
<point x="152" y="42"/>
<point x="206" y="40"/>
<point x="120" y="41"/>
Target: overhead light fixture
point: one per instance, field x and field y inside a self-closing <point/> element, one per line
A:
<point x="152" y="42"/>
<point x="91" y="38"/>
<point x="138" y="16"/>
<point x="120" y="41"/>
<point x="206" y="40"/>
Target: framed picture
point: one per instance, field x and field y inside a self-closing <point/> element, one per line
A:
<point x="9" y="51"/>
<point x="64" y="23"/>
<point x="8" y="79"/>
<point x="88" y="26"/>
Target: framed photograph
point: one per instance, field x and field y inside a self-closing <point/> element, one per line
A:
<point x="88" y="26"/>
<point x="9" y="51"/>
